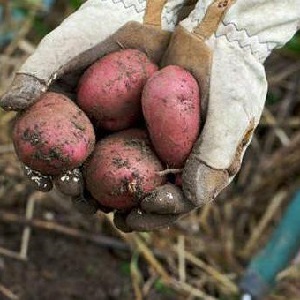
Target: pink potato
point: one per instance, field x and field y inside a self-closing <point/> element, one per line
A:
<point x="110" y="90"/>
<point x="53" y="135"/>
<point x="122" y="169"/>
<point x="171" y="107"/>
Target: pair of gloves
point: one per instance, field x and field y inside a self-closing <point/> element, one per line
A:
<point x="223" y="43"/>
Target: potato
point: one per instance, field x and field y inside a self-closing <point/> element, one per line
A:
<point x="53" y="135"/>
<point x="123" y="169"/>
<point x="171" y="107"/>
<point x="110" y="90"/>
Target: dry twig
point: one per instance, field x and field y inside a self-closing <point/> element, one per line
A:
<point x="8" y="293"/>
<point x="272" y="209"/>
<point x="101" y="240"/>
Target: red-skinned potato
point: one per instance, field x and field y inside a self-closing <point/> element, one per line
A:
<point x="110" y="90"/>
<point x="123" y="169"/>
<point x="53" y="135"/>
<point x="171" y="107"/>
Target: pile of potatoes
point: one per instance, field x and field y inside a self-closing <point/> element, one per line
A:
<point x="129" y="123"/>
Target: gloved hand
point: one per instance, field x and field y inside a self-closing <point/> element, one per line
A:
<point x="224" y="44"/>
<point x="97" y="28"/>
<point x="225" y="56"/>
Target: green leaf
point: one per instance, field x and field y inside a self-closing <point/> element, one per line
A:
<point x="125" y="268"/>
<point x="161" y="288"/>
<point x="75" y="3"/>
<point x="40" y="28"/>
<point x="294" y="44"/>
<point x="272" y="99"/>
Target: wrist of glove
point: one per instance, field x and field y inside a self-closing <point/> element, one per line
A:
<point x="216" y="42"/>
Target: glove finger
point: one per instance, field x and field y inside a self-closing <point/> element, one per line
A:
<point x="140" y="221"/>
<point x="40" y="182"/>
<point x="70" y="184"/>
<point x="201" y="184"/>
<point x="166" y="199"/>
<point x="120" y="222"/>
<point x="232" y="115"/>
<point x="85" y="204"/>
<point x="24" y="91"/>
<point x="232" y="111"/>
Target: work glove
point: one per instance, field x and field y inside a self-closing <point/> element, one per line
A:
<point x="96" y="29"/>
<point x="224" y="44"/>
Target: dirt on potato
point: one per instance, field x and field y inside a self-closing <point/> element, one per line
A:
<point x="65" y="268"/>
<point x="110" y="90"/>
<point x="123" y="169"/>
<point x="53" y="136"/>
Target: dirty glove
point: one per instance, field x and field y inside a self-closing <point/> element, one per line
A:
<point x="224" y="44"/>
<point x="97" y="28"/>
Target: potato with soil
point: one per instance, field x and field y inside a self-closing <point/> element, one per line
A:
<point x="171" y="107"/>
<point x="53" y="135"/>
<point x="123" y="169"/>
<point x="110" y="90"/>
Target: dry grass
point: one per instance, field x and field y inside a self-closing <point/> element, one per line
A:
<point x="204" y="254"/>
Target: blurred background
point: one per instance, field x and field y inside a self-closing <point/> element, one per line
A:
<point x="49" y="251"/>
